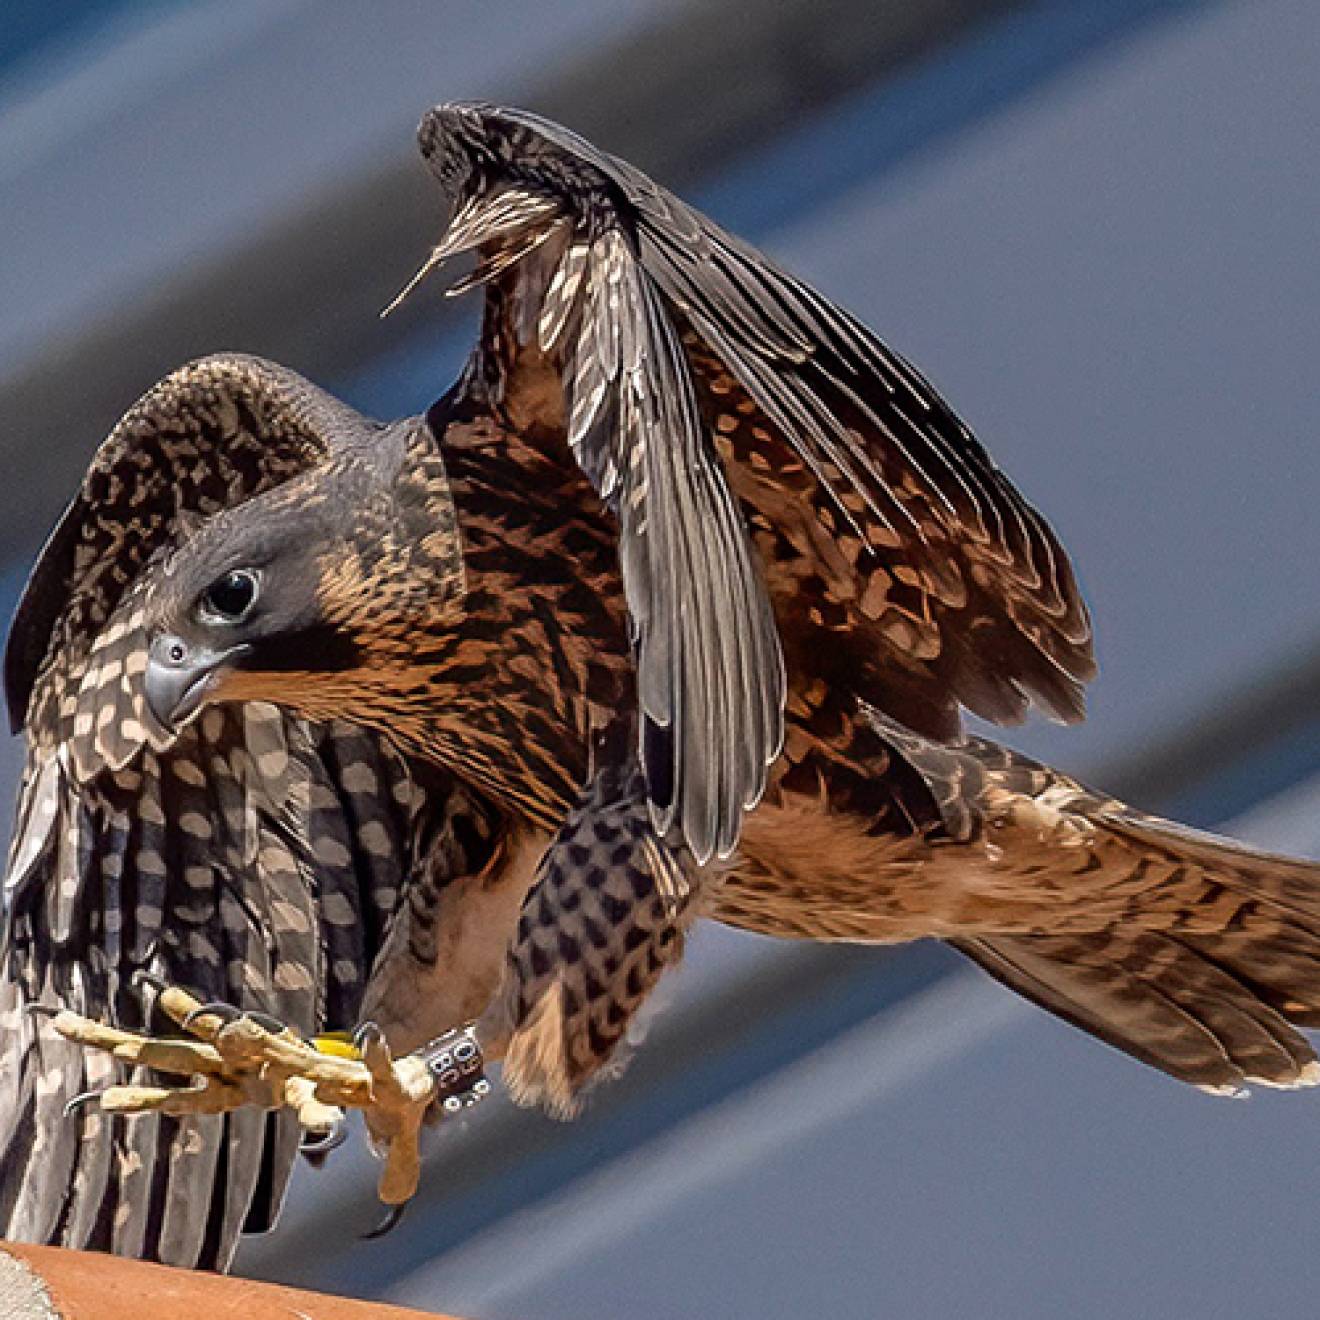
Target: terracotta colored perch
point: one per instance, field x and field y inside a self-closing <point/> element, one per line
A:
<point x="48" y="1283"/>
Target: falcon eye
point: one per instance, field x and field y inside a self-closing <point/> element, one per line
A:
<point x="230" y="599"/>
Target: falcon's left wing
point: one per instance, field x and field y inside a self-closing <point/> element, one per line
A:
<point x="251" y="857"/>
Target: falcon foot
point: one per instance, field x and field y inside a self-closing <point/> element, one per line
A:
<point x="239" y="1059"/>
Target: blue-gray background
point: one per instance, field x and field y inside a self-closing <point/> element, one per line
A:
<point x="1094" y="225"/>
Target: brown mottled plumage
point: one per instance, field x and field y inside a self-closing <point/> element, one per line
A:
<point x="521" y="642"/>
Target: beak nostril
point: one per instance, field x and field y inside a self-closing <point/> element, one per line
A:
<point x="179" y="677"/>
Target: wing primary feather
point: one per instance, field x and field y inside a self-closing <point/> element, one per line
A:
<point x="561" y="297"/>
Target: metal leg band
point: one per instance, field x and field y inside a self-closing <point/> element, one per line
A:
<point x="456" y="1066"/>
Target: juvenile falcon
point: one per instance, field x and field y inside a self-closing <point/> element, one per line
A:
<point x="576" y="652"/>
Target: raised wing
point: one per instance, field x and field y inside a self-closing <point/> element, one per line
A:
<point x="710" y="670"/>
<point x="677" y="343"/>
<point x="252" y="858"/>
<point x="210" y="435"/>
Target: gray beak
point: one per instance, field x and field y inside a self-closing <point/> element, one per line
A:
<point x="179" y="676"/>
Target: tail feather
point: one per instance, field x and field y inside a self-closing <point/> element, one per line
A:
<point x="1290" y="886"/>
<point x="1194" y="953"/>
<point x="1159" y="1001"/>
<point x="1284" y="972"/>
<point x="1207" y="969"/>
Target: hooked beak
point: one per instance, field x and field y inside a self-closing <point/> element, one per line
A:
<point x="179" y="677"/>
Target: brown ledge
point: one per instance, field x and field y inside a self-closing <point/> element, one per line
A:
<point x="49" y="1283"/>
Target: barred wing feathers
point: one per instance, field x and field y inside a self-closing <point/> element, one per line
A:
<point x="251" y="857"/>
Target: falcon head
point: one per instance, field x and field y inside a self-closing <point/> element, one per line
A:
<point x="241" y="597"/>
<point x="295" y="597"/>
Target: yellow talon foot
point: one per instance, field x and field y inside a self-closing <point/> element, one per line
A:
<point x="238" y="1059"/>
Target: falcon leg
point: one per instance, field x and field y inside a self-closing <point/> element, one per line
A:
<point x="447" y="1074"/>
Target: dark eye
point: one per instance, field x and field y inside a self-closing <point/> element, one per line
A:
<point x="231" y="598"/>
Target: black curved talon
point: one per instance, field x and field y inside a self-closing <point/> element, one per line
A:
<point x="393" y="1217"/>
<point x="316" y="1148"/>
<point x="367" y="1036"/>
<point x="42" y="1010"/>
<point x="267" y="1023"/>
<point x="227" y="1014"/>
<point x="141" y="977"/>
<point x="80" y="1101"/>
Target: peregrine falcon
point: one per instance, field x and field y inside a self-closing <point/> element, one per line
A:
<point x="669" y="608"/>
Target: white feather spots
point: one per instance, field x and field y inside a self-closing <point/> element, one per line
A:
<point x="323" y="798"/>
<point x="187" y="771"/>
<point x="1308" y="1075"/>
<point x="195" y="824"/>
<point x="289" y="918"/>
<point x="150" y="810"/>
<point x="360" y="778"/>
<point x="330" y="852"/>
<point x="289" y="976"/>
<point x="191" y="1142"/>
<point x="562" y="295"/>
<point x="131" y="730"/>
<point x="338" y="911"/>
<point x="233" y="916"/>
<point x="273" y="764"/>
<point x="376" y="839"/>
<point x="1226" y="1091"/>
<point x="202" y="947"/>
<point x="151" y="863"/>
<point x="275" y="863"/>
